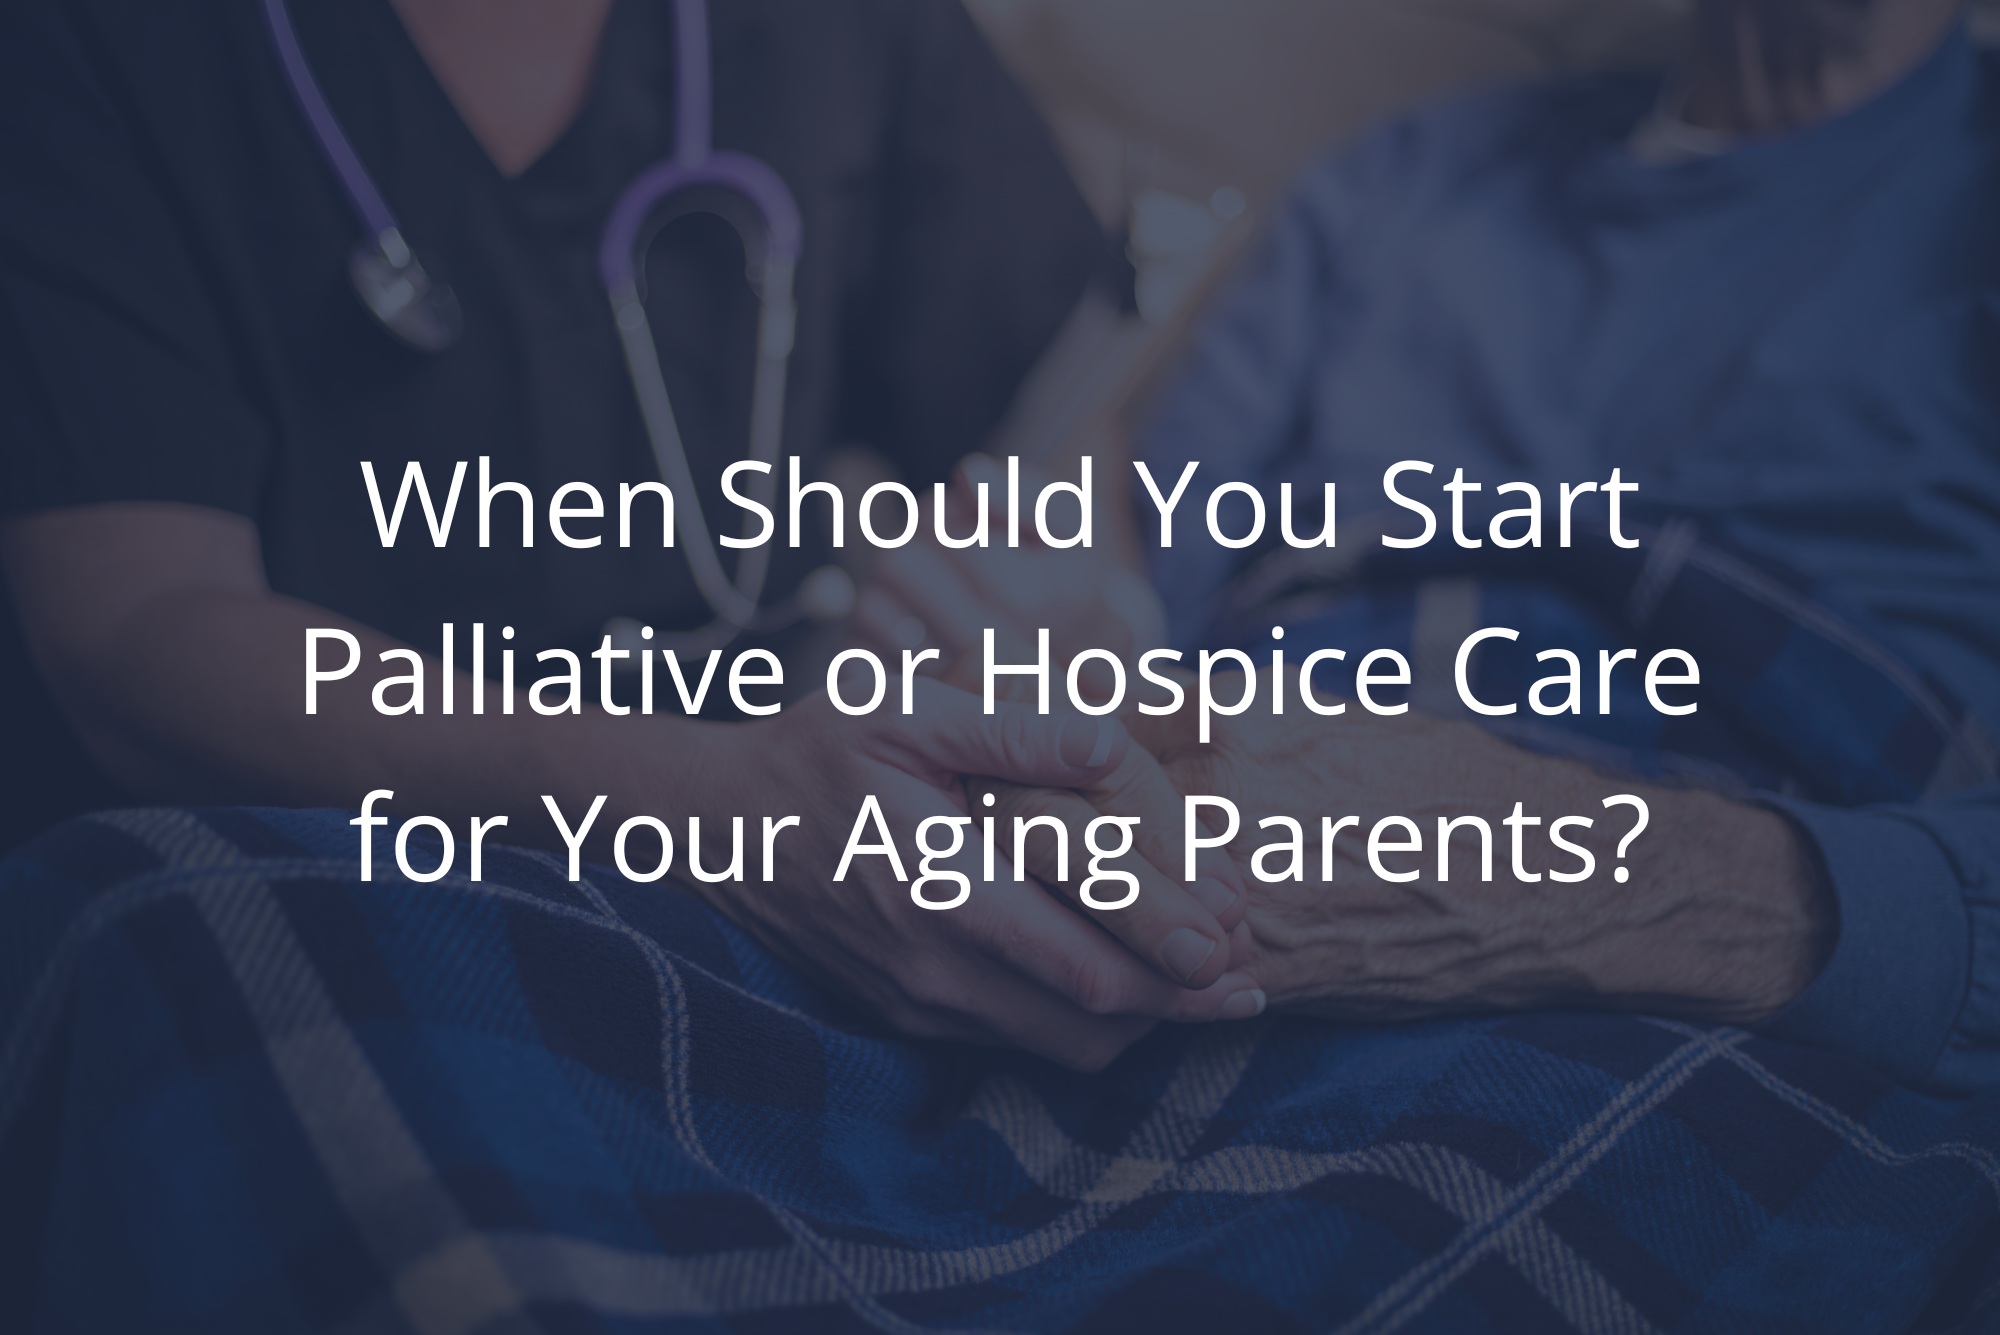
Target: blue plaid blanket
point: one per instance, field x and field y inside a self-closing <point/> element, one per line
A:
<point x="240" y="1090"/>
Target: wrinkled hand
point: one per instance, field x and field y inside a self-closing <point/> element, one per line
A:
<point x="1723" y="918"/>
<point x="1013" y="965"/>
<point x="1151" y="911"/>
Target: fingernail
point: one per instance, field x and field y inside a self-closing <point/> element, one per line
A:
<point x="1186" y="950"/>
<point x="1213" y="895"/>
<point x="1085" y="743"/>
<point x="1244" y="1005"/>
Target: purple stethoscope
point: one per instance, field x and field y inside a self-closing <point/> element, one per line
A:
<point x="424" y="312"/>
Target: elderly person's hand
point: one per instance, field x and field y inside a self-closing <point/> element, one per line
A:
<point x="1723" y="916"/>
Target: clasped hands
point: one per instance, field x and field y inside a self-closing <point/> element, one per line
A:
<point x="1725" y="917"/>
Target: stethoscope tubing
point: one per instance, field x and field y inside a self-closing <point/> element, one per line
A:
<point x="695" y="164"/>
<point x="340" y="155"/>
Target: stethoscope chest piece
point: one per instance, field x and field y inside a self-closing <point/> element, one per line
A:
<point x="416" y="308"/>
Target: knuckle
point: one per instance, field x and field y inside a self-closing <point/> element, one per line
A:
<point x="1035" y="802"/>
<point x="1017" y="740"/>
<point x="1097" y="987"/>
<point x="1046" y="804"/>
<point x="927" y="988"/>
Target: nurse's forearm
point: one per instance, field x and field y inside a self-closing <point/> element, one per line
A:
<point x="183" y="675"/>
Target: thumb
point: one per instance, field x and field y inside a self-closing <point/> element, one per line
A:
<point x="1016" y="743"/>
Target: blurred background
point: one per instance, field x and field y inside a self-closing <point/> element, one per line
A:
<point x="1183" y="120"/>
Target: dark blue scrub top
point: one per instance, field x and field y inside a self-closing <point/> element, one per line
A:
<point x="176" y="322"/>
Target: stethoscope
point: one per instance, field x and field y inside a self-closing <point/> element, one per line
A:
<point x="424" y="313"/>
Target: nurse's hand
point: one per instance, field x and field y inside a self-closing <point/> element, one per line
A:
<point x="179" y="668"/>
<point x="1013" y="965"/>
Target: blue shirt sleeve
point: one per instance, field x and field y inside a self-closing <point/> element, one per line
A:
<point x="1242" y="406"/>
<point x="1233" y="401"/>
<point x="1492" y="283"/>
<point x="1913" y="986"/>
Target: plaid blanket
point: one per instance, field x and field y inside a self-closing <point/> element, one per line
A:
<point x="240" y="1090"/>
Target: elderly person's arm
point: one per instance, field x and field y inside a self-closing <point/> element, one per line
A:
<point x="1725" y="916"/>
<point x="1871" y="931"/>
